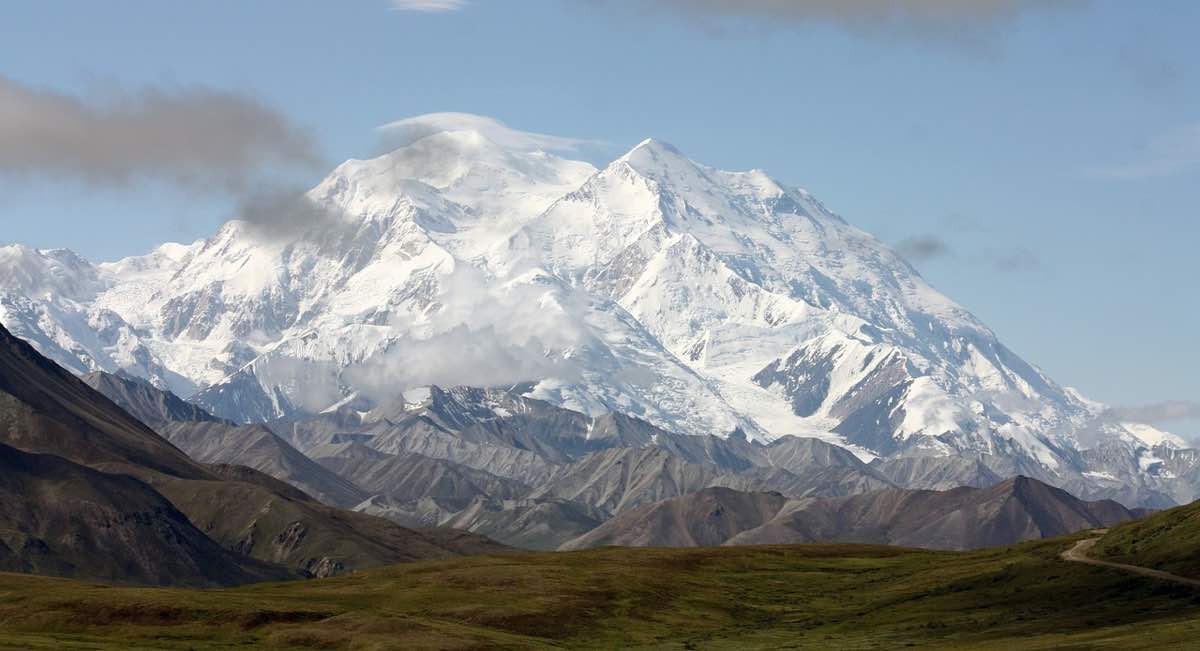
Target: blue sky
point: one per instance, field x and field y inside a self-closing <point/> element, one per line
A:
<point x="1041" y="166"/>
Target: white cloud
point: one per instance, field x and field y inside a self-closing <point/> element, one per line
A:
<point x="480" y="334"/>
<point x="409" y="130"/>
<point x="1161" y="412"/>
<point x="428" y="6"/>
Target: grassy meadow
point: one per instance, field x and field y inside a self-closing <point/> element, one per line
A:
<point x="794" y="597"/>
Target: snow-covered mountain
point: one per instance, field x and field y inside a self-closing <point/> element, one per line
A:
<point x="701" y="300"/>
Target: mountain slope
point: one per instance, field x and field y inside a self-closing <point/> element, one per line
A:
<point x="534" y="475"/>
<point x="64" y="519"/>
<point x="410" y="476"/>
<point x="310" y="537"/>
<point x="616" y="480"/>
<point x="937" y="473"/>
<point x="705" y="518"/>
<point x="619" y="479"/>
<point x="1168" y="541"/>
<point x="154" y="407"/>
<point x="210" y="440"/>
<point x="537" y="524"/>
<point x="504" y="433"/>
<point x="964" y="518"/>
<point x="44" y="409"/>
<point x="534" y="524"/>
<point x="257" y="447"/>
<point x="530" y="474"/>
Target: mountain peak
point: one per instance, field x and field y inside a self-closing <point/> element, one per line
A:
<point x="470" y="160"/>
<point x="664" y="162"/>
<point x="1027" y="488"/>
<point x="656" y="146"/>
<point x="651" y="155"/>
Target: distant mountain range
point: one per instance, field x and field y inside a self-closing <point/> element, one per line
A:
<point x="700" y="301"/>
<point x="536" y="476"/>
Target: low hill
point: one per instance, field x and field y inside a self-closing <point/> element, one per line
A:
<point x="1168" y="540"/>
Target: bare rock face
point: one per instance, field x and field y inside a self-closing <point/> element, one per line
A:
<point x="324" y="567"/>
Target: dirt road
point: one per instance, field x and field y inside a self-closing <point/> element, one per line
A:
<point x="1078" y="554"/>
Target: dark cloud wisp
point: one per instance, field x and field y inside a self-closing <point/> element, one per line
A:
<point x="194" y="137"/>
<point x="935" y="14"/>
<point x="281" y="212"/>
<point x="922" y="248"/>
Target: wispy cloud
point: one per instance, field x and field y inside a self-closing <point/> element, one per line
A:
<point x="929" y="246"/>
<point x="947" y="16"/>
<point x="428" y="6"/>
<point x="1162" y="412"/>
<point x="192" y="136"/>
<point x="496" y="334"/>
<point x="408" y="130"/>
<point x="1171" y="153"/>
